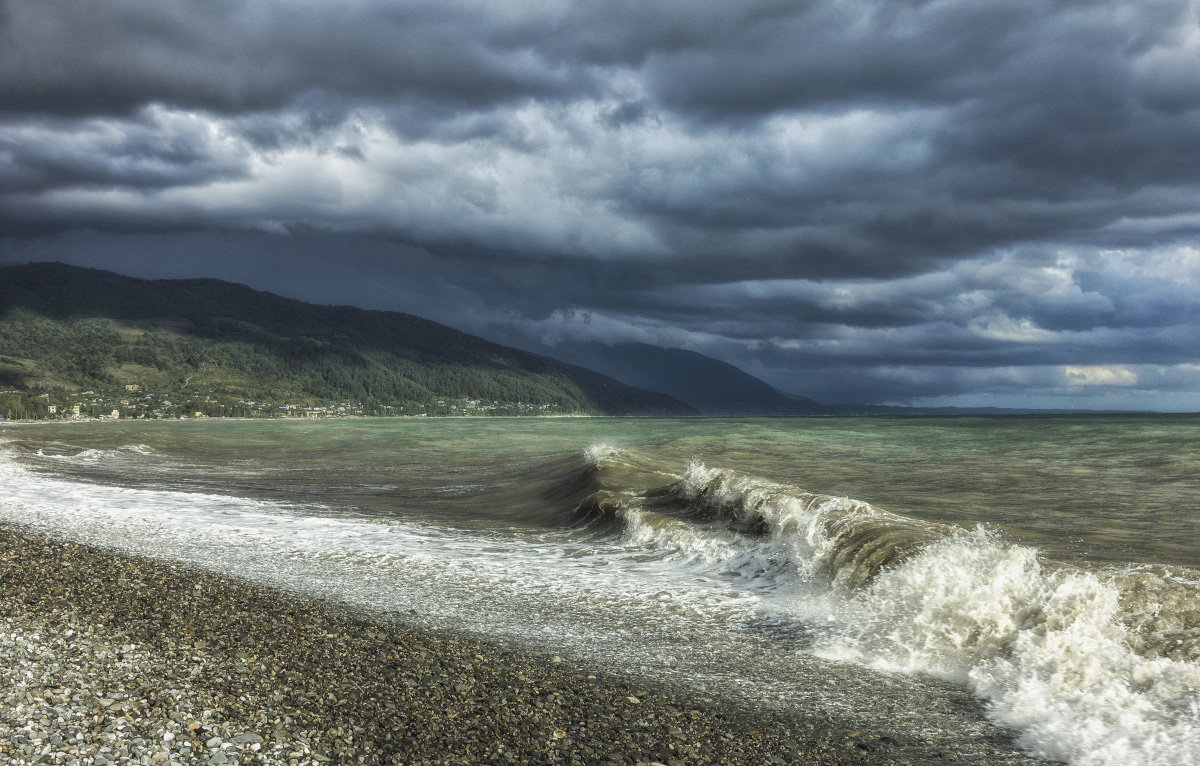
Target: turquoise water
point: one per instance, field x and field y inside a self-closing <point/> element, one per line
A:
<point x="1048" y="566"/>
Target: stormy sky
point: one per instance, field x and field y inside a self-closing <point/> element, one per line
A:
<point x="954" y="202"/>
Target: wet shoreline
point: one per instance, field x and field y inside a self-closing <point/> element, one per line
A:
<point x="117" y="659"/>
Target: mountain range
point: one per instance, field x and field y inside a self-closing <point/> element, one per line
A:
<point x="224" y="348"/>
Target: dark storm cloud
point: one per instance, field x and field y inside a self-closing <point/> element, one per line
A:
<point x="733" y="60"/>
<point x="228" y="56"/>
<point x="913" y="193"/>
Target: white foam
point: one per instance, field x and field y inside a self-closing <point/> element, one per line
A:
<point x="805" y="527"/>
<point x="312" y="548"/>
<point x="1045" y="648"/>
<point x="600" y="452"/>
<point x="93" y="456"/>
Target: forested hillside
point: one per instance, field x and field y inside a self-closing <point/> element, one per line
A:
<point x="220" y="348"/>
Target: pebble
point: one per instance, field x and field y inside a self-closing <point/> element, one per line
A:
<point x="106" y="659"/>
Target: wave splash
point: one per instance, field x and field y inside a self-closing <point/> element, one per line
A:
<point x="1090" y="667"/>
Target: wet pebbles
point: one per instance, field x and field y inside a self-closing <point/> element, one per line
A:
<point x="106" y="659"/>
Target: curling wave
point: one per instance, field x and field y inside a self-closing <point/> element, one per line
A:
<point x="1091" y="667"/>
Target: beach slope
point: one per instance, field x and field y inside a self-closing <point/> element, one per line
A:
<point x="111" y="659"/>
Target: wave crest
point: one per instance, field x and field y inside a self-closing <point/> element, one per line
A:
<point x="1092" y="667"/>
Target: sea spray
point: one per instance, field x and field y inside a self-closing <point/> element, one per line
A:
<point x="1047" y="646"/>
<point x="847" y="540"/>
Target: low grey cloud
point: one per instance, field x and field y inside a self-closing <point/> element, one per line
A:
<point x="100" y="154"/>
<point x="929" y="199"/>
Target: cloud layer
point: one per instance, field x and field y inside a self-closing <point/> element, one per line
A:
<point x="900" y="201"/>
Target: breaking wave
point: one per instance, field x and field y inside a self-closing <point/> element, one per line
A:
<point x="1088" y="666"/>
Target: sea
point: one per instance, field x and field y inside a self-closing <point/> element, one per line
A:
<point x="1044" y="569"/>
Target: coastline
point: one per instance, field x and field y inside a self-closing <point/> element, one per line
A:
<point x="107" y="659"/>
<point x="284" y="419"/>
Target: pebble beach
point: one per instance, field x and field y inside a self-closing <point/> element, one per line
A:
<point x="111" y="659"/>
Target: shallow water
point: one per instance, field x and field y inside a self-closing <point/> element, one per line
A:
<point x="1046" y="565"/>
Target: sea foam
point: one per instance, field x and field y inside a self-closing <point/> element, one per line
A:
<point x="1048" y="647"/>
